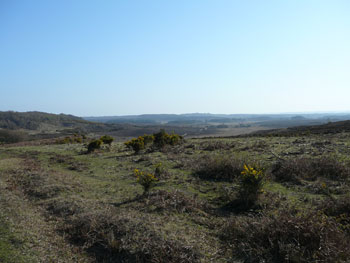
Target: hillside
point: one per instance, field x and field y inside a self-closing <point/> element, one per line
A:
<point x="24" y="126"/>
<point x="328" y="128"/>
<point x="35" y="120"/>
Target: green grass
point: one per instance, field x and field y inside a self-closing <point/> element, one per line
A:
<point x="10" y="246"/>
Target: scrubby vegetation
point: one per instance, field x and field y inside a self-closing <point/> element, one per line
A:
<point x="137" y="144"/>
<point x="242" y="199"/>
<point x="286" y="236"/>
<point x="9" y="136"/>
<point x="250" y="184"/>
<point x="71" y="139"/>
<point x="147" y="180"/>
<point x="94" y="145"/>
<point x="97" y="143"/>
<point x="218" y="168"/>
<point x="106" y="139"/>
<point x="158" y="140"/>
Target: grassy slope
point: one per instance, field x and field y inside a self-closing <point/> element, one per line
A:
<point x="69" y="186"/>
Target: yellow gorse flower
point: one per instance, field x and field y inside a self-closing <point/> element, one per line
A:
<point x="145" y="179"/>
<point x="251" y="171"/>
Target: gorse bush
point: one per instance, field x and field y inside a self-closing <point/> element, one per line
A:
<point x="250" y="184"/>
<point x="94" y="145"/>
<point x="147" y="180"/>
<point x="148" y="139"/>
<point x="158" y="140"/>
<point x="106" y="139"/>
<point x="161" y="139"/>
<point x="136" y="144"/>
<point x="71" y="139"/>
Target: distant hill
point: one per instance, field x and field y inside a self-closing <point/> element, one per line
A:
<point x="328" y="128"/>
<point x="47" y="122"/>
<point x="267" y="120"/>
<point x="33" y="120"/>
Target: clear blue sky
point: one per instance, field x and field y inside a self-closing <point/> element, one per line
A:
<point x="92" y="58"/>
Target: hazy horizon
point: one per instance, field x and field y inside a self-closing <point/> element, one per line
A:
<point x="116" y="58"/>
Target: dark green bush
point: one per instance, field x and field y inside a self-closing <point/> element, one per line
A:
<point x="158" y="140"/>
<point x="136" y="144"/>
<point x="148" y="139"/>
<point x="94" y="145"/>
<point x="106" y="139"/>
<point x="161" y="139"/>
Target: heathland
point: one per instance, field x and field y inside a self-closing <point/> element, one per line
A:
<point x="270" y="196"/>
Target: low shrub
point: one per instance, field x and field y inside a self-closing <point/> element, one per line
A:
<point x="36" y="184"/>
<point x="157" y="140"/>
<point x="147" y="180"/>
<point x="218" y="168"/>
<point x="296" y="170"/>
<point x="339" y="209"/>
<point x="174" y="201"/>
<point x="94" y="145"/>
<point x="136" y="144"/>
<point x="106" y="139"/>
<point x="148" y="139"/>
<point x="286" y="236"/>
<point x="250" y="184"/>
<point x="71" y="139"/>
<point x="162" y="139"/>
<point x="112" y="236"/>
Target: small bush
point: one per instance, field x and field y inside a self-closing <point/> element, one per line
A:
<point x="147" y="180"/>
<point x="175" y="201"/>
<point x="70" y="139"/>
<point x="157" y="140"/>
<point x="148" y="139"/>
<point x="136" y="144"/>
<point x="250" y="184"/>
<point x="94" y="145"/>
<point x="218" y="168"/>
<point x="162" y="139"/>
<point x="106" y="139"/>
